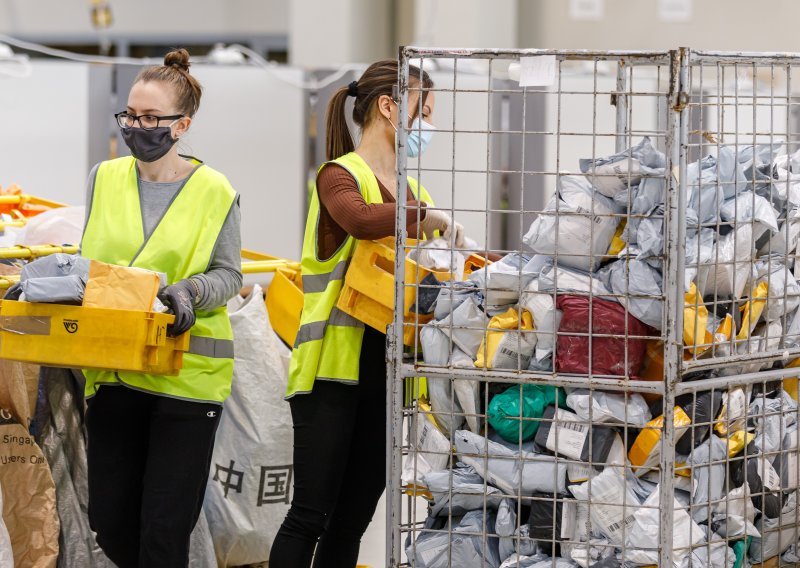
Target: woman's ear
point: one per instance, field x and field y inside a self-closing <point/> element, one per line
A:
<point x="385" y="105"/>
<point x="181" y="127"/>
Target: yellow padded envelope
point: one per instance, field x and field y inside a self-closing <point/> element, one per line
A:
<point x="120" y="287"/>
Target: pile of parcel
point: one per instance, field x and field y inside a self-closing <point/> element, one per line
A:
<point x="521" y="473"/>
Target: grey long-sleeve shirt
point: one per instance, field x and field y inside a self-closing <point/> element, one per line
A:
<point x="223" y="279"/>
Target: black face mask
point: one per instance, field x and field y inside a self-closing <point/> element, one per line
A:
<point x="148" y="145"/>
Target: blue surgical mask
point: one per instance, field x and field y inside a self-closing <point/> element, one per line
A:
<point x="419" y="136"/>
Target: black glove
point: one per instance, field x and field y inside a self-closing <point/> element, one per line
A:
<point x="180" y="299"/>
<point x="14" y="292"/>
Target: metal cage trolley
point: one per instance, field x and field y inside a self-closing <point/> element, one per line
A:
<point x="603" y="370"/>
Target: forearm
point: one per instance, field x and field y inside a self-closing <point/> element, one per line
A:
<point x="370" y="224"/>
<point x="216" y="287"/>
<point x="340" y="196"/>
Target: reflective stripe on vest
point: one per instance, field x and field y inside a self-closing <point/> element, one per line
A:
<point x="315" y="330"/>
<point x="328" y="344"/>
<point x="210" y="347"/>
<point x="180" y="246"/>
<point x="319" y="282"/>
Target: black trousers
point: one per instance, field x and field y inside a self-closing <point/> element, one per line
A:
<point x="149" y="458"/>
<point x="340" y="466"/>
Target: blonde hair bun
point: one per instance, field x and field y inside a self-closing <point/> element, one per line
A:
<point x="177" y="58"/>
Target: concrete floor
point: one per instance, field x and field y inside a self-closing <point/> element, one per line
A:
<point x="373" y="545"/>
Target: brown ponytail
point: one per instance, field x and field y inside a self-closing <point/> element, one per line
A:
<point x="175" y="72"/>
<point x="338" y="140"/>
<point x="379" y="79"/>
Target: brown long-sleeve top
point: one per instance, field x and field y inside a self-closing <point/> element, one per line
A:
<point x="343" y="211"/>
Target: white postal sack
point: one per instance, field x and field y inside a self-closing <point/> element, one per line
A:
<point x="250" y="482"/>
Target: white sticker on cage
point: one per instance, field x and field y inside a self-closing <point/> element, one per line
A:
<point x="769" y="476"/>
<point x="674" y="10"/>
<point x="569" y="516"/>
<point x="537" y="71"/>
<point x="586" y="9"/>
<point x="566" y="436"/>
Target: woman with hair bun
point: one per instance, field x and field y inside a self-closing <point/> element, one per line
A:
<point x="151" y="437"/>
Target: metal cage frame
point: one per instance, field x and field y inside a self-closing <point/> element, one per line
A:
<point x="676" y="104"/>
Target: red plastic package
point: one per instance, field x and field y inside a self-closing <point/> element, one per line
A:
<point x="608" y="353"/>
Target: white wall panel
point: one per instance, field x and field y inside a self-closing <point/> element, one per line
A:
<point x="146" y="16"/>
<point x="55" y="126"/>
<point x="250" y="127"/>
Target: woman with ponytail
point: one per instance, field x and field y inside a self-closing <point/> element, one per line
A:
<point x="151" y="437"/>
<point x="337" y="378"/>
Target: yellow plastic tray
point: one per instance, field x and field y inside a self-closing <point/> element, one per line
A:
<point x="285" y="303"/>
<point x="90" y="338"/>
<point x="284" y="297"/>
<point x="368" y="291"/>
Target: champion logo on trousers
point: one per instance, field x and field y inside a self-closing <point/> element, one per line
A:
<point x="211" y="414"/>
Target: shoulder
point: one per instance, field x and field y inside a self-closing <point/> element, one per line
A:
<point x="214" y="180"/>
<point x="124" y="163"/>
<point x="334" y="177"/>
<point x="334" y="172"/>
<point x="351" y="163"/>
<point x="93" y="171"/>
<point x="110" y="173"/>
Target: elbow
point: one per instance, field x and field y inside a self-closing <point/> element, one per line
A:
<point x="361" y="233"/>
<point x="359" y="228"/>
<point x="238" y="282"/>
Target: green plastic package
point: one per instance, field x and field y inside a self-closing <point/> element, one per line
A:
<point x="504" y="409"/>
<point x="740" y="549"/>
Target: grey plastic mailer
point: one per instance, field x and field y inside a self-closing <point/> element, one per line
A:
<point x="513" y="472"/>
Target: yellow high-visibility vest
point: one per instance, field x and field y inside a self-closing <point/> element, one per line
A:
<point x="180" y="246"/>
<point x="328" y="344"/>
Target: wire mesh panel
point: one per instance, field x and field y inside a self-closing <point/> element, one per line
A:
<point x="535" y="362"/>
<point x="742" y="226"/>
<point x="612" y="384"/>
<point x="739" y="139"/>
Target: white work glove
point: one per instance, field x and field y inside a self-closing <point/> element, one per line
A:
<point x="437" y="220"/>
<point x="455" y="236"/>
